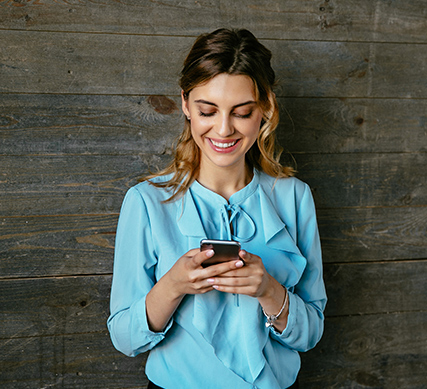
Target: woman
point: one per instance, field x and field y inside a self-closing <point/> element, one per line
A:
<point x="241" y="323"/>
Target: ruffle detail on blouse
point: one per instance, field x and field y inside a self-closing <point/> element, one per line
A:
<point x="278" y="237"/>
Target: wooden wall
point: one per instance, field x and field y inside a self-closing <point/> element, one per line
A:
<point x="89" y="102"/>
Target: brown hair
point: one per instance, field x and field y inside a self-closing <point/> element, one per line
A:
<point x="233" y="52"/>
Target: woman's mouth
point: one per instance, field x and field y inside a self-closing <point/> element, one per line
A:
<point x="224" y="146"/>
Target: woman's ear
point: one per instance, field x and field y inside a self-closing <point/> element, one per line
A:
<point x="184" y="102"/>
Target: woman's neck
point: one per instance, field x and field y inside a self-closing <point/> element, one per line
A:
<point x="225" y="181"/>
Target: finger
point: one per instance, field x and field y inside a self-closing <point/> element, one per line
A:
<point x="202" y="287"/>
<point x="201" y="256"/>
<point x="224" y="267"/>
<point x="192" y="252"/>
<point x="229" y="281"/>
<point x="246" y="290"/>
<point x="247" y="257"/>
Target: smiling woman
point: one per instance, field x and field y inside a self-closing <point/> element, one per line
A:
<point x="240" y="322"/>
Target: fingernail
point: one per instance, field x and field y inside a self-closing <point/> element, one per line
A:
<point x="210" y="253"/>
<point x="239" y="264"/>
<point x="210" y="280"/>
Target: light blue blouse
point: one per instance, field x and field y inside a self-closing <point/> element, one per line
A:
<point x="219" y="340"/>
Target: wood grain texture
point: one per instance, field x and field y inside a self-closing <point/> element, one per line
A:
<point x="378" y="358"/>
<point x="96" y="124"/>
<point x="360" y="288"/>
<point x="54" y="306"/>
<point x="94" y="184"/>
<point x="72" y="305"/>
<point x="76" y="124"/>
<point x="55" y="185"/>
<point x="310" y="125"/>
<point x="373" y="234"/>
<point x="68" y="361"/>
<point x="64" y="63"/>
<point x="73" y="245"/>
<point x="365" y="179"/>
<point x="356" y="351"/>
<point x="365" y="20"/>
<point x="83" y="244"/>
<point x="374" y="351"/>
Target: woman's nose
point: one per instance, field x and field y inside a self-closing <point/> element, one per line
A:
<point x="225" y="127"/>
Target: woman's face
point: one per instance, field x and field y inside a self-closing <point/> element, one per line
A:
<point x="225" y="120"/>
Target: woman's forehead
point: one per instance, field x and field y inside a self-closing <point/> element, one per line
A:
<point x="225" y="89"/>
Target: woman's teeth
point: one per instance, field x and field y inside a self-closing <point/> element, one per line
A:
<point x="223" y="145"/>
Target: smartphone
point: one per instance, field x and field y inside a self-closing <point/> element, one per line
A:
<point x="225" y="250"/>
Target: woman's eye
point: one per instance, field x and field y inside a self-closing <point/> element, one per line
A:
<point x="243" y="116"/>
<point x="206" y="114"/>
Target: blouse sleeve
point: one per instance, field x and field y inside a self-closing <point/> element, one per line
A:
<point x="307" y="299"/>
<point x="133" y="278"/>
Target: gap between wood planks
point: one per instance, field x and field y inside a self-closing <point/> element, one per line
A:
<point x="61" y="276"/>
<point x="376" y="314"/>
<point x="105" y="332"/>
<point x="102" y="332"/>
<point x="179" y="96"/>
<point x="333" y="39"/>
<point x="56" y="277"/>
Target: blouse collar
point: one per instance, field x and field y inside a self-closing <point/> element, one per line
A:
<point x="189" y="220"/>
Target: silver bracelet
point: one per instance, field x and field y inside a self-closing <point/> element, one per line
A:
<point x="272" y="318"/>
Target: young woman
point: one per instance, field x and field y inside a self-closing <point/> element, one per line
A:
<point x="240" y="323"/>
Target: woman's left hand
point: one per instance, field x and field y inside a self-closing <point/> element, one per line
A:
<point x="251" y="279"/>
<point x="254" y="280"/>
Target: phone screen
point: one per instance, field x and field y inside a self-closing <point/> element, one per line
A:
<point x="225" y="250"/>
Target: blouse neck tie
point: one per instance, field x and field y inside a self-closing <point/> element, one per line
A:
<point x="243" y="227"/>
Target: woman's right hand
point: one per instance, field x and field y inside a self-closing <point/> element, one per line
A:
<point x="186" y="276"/>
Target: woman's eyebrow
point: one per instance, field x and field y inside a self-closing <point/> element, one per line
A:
<point x="201" y="101"/>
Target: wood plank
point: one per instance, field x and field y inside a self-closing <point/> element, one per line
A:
<point x="366" y="20"/>
<point x="313" y="125"/>
<point x="68" y="361"/>
<point x="341" y="69"/>
<point x="365" y="180"/>
<point x="373" y="234"/>
<point x="370" y="288"/>
<point x="387" y="81"/>
<point x="76" y="124"/>
<point x="83" y="244"/>
<point x="74" y="245"/>
<point x="69" y="184"/>
<point x="96" y="124"/>
<point x="95" y="184"/>
<point x="72" y="305"/>
<point x="375" y="351"/>
<point x="49" y="62"/>
<point x="131" y="64"/>
<point x="54" y="306"/>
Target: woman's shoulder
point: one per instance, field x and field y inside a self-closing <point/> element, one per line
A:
<point x="284" y="184"/>
<point x="148" y="191"/>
